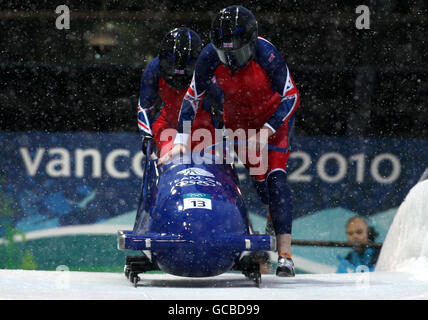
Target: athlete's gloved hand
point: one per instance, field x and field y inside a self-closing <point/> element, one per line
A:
<point x="145" y="140"/>
<point x="176" y="150"/>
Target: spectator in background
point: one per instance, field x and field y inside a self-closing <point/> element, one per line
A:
<point x="360" y="234"/>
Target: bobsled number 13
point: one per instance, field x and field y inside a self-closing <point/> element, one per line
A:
<point x="197" y="201"/>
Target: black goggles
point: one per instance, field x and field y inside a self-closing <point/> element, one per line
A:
<point x="178" y="81"/>
<point x="177" y="77"/>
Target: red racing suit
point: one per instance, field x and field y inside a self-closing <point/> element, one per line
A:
<point x="154" y="87"/>
<point x="262" y="93"/>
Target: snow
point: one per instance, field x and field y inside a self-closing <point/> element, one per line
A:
<point x="407" y="237"/>
<point x="64" y="285"/>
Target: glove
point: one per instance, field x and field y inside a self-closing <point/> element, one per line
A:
<point x="145" y="140"/>
<point x="176" y="150"/>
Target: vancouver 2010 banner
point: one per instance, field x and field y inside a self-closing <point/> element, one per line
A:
<point x="63" y="195"/>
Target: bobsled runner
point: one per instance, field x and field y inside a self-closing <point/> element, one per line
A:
<point x="192" y="222"/>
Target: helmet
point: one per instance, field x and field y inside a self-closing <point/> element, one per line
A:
<point x="234" y="36"/>
<point x="178" y="53"/>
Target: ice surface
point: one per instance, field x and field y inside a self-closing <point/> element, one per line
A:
<point x="56" y="285"/>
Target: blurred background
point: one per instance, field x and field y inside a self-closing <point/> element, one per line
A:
<point x="352" y="82"/>
<point x="364" y="96"/>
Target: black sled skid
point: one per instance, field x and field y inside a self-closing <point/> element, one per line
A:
<point x="134" y="265"/>
<point x="249" y="265"/>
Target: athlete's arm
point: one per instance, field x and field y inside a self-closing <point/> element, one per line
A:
<point x="202" y="79"/>
<point x="282" y="82"/>
<point x="148" y="95"/>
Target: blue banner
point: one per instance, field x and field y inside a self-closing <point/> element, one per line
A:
<point x="80" y="187"/>
<point x="363" y="175"/>
<point x="69" y="178"/>
<point x="62" y="179"/>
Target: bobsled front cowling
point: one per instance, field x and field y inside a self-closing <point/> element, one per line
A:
<point x="191" y="201"/>
<point x="198" y="204"/>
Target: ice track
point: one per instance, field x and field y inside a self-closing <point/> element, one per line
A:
<point x="54" y="285"/>
<point x="402" y="273"/>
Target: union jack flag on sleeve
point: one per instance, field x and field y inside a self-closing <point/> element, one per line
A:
<point x="144" y="121"/>
<point x="148" y="95"/>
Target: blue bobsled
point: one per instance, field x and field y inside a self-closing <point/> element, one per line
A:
<point x="192" y="222"/>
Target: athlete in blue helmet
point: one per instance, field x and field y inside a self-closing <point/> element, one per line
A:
<point x="259" y="93"/>
<point x="166" y="78"/>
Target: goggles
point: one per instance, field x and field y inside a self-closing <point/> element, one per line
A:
<point x="235" y="58"/>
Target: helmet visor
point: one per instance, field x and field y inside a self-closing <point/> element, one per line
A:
<point x="237" y="58"/>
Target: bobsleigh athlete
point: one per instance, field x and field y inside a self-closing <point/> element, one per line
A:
<point x="167" y="78"/>
<point x="259" y="93"/>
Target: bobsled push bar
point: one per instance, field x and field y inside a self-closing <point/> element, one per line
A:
<point x="128" y="241"/>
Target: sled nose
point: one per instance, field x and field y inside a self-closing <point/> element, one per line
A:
<point x="126" y="240"/>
